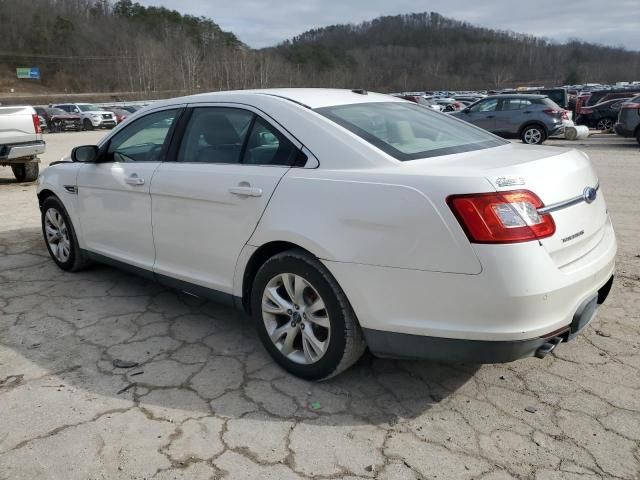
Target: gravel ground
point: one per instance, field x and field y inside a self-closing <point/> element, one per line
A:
<point x="207" y="402"/>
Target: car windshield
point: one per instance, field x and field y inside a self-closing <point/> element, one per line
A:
<point x="56" y="111"/>
<point x="408" y="131"/>
<point x="88" y="108"/>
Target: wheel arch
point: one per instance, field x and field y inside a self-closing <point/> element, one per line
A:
<point x="531" y="123"/>
<point x="44" y="194"/>
<point x="257" y="259"/>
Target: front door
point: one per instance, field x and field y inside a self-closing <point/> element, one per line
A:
<point x="207" y="201"/>
<point x="113" y="195"/>
<point x="482" y="114"/>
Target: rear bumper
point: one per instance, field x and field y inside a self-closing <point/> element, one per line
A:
<point x="11" y="153"/>
<point x="521" y="293"/>
<point x="453" y="350"/>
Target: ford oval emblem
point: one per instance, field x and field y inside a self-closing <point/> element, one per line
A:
<point x="590" y="194"/>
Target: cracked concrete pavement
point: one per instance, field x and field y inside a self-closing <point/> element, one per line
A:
<point x="207" y="402"/>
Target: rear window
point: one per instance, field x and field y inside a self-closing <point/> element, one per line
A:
<point x="547" y="102"/>
<point x="408" y="131"/>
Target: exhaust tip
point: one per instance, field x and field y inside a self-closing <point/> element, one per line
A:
<point x="548" y="347"/>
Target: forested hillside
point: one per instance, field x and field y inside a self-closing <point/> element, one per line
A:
<point x="102" y="46"/>
<point x="428" y="51"/>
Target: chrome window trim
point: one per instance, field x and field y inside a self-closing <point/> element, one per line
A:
<point x="565" y="203"/>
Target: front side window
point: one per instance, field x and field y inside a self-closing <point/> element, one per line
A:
<point x="407" y="131"/>
<point x="232" y="135"/>
<point x="485" y="106"/>
<point x="142" y="140"/>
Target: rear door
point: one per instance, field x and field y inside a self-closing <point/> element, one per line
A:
<point x="209" y="198"/>
<point x="511" y="114"/>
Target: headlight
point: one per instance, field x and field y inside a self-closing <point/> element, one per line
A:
<point x="95" y="116"/>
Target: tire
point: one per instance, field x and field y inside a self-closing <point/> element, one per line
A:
<point x="343" y="340"/>
<point x="533" y="135"/>
<point x="605" y="124"/>
<point x="638" y="135"/>
<point x="75" y="260"/>
<point x="26" y="172"/>
<point x="87" y="125"/>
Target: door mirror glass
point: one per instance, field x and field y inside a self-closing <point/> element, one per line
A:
<point x="85" y="154"/>
<point x="466" y="110"/>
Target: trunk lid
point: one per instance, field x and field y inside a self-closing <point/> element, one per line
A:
<point x="562" y="179"/>
<point x="555" y="175"/>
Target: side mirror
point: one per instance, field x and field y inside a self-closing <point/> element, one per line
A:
<point x="85" y="154"/>
<point x="466" y="110"/>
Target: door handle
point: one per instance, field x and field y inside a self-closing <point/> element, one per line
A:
<point x="527" y="111"/>
<point x="491" y="116"/>
<point x="133" y="179"/>
<point x="246" y="191"/>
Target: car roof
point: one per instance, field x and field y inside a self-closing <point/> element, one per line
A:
<point x="517" y="95"/>
<point x="307" y="97"/>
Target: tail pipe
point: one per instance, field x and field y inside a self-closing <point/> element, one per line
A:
<point x="549" y="346"/>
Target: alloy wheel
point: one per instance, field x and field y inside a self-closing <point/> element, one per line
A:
<point x="605" y="124"/>
<point x="57" y="235"/>
<point x="532" y="136"/>
<point x="296" y="318"/>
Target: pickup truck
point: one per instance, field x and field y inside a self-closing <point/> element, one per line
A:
<point x="21" y="142"/>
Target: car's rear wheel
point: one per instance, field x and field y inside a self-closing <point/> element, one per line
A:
<point x="304" y="318"/>
<point x="87" y="125"/>
<point x="26" y="172"/>
<point x="60" y="236"/>
<point x="533" y="135"/>
<point x="605" y="124"/>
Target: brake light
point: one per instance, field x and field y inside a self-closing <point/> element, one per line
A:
<point x="36" y="123"/>
<point x="502" y="217"/>
<point x="586" y="111"/>
<point x="630" y="105"/>
<point x="553" y="111"/>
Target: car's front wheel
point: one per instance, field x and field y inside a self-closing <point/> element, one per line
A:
<point x="60" y="236"/>
<point x="87" y="125"/>
<point x="533" y="135"/>
<point x="304" y="318"/>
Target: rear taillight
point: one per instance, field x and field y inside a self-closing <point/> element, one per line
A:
<point x="586" y="111"/>
<point x="36" y="123"/>
<point x="553" y="111"/>
<point x="504" y="217"/>
<point x="630" y="106"/>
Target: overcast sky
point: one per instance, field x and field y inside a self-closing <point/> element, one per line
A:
<point x="262" y="23"/>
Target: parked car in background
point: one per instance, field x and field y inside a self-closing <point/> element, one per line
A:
<point x="593" y="97"/>
<point x="420" y="99"/>
<point x="57" y="120"/>
<point x="92" y="116"/>
<point x="532" y="118"/>
<point x="342" y="220"/>
<point x="628" y="124"/>
<point x="449" y="104"/>
<point x="120" y="113"/>
<point x="601" y="116"/>
<point x="21" y="142"/>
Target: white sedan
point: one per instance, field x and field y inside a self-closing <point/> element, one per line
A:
<point x="342" y="220"/>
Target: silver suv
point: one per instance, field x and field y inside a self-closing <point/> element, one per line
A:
<point x="532" y="118"/>
<point x="91" y="115"/>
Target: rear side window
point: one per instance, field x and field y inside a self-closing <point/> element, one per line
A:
<point x="515" y="104"/>
<point x="408" y="131"/>
<point x="547" y="102"/>
<point x="215" y="135"/>
<point x="233" y="135"/>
